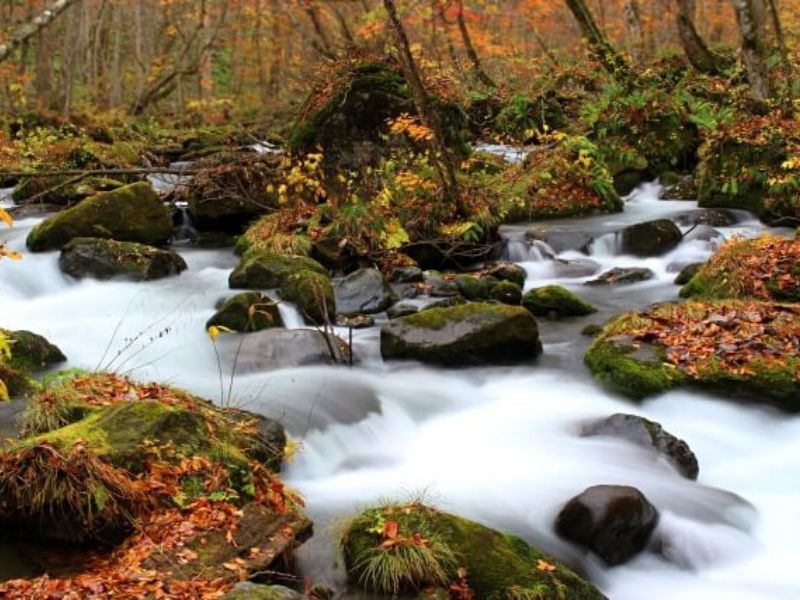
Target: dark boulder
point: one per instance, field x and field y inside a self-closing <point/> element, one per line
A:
<point x="108" y="259"/>
<point x="247" y="312"/>
<point x="687" y="272"/>
<point x="506" y="292"/>
<point x="554" y="299"/>
<point x="651" y="238"/>
<point x="622" y="276"/>
<point x="613" y="521"/>
<point x="363" y="292"/>
<point x="648" y="434"/>
<point x="266" y="271"/>
<point x="312" y="292"/>
<point x="402" y="309"/>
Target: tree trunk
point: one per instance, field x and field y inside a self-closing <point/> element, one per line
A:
<point x="482" y="76"/>
<point x="440" y="155"/>
<point x="599" y="45"/>
<point x="633" y="22"/>
<point x="37" y="24"/>
<point x="776" y="23"/>
<point x="747" y="18"/>
<point x="698" y="53"/>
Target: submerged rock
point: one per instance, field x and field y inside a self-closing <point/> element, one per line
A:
<point x="652" y="238"/>
<point x="363" y="292"/>
<point x="554" y="299"/>
<point x="246" y="312"/>
<point x="107" y="259"/>
<point x="497" y="564"/>
<point x="620" y="275"/>
<point x="471" y="334"/>
<point x="613" y="521"/>
<point x="266" y="271"/>
<point x="133" y="213"/>
<point x="648" y="434"/>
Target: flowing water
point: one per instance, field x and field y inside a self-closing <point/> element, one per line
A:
<point x="498" y="445"/>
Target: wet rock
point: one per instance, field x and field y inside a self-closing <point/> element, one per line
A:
<point x="132" y="213"/>
<point x="684" y="188"/>
<point x="445" y="303"/>
<point x="27" y="211"/>
<point x="273" y="349"/>
<point x="266" y="271"/>
<point x="30" y="351"/>
<point x="621" y="275"/>
<point x="561" y="241"/>
<point x="107" y="259"/>
<point x="247" y="312"/>
<point x="713" y="217"/>
<point x="543" y="301"/>
<point x="652" y="238"/>
<point x="574" y="268"/>
<point x="687" y="272"/>
<point x="355" y="322"/>
<point x="507" y="272"/>
<point x="438" y="285"/>
<point x="312" y="292"/>
<point x="472" y="287"/>
<point x="246" y="590"/>
<point x="407" y="275"/>
<point x="613" y="521"/>
<point x="592" y="330"/>
<point x="363" y="292"/>
<point x="506" y="292"/>
<point x="471" y="334"/>
<point x="648" y="434"/>
<point x="703" y="233"/>
<point x="402" y="309"/>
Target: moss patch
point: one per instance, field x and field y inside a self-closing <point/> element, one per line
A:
<point x="312" y="292"/>
<point x="551" y="299"/>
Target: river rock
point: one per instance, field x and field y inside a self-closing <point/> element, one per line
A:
<point x="273" y="349"/>
<point x="687" y="272"/>
<point x="355" y="322"/>
<point x="507" y="272"/>
<point x="30" y="351"/>
<point x="312" y="292"/>
<point x="407" y="275"/>
<point x="472" y="287"/>
<point x="247" y="312"/>
<point x="133" y="213"/>
<point x="561" y="241"/>
<point x="506" y="292"/>
<point x="554" y="299"/>
<point x="438" y="285"/>
<point x="247" y="590"/>
<point x="266" y="271"/>
<point x="363" y="292"/>
<point x="621" y="275"/>
<point x="713" y="217"/>
<point x="401" y="309"/>
<point x="652" y="238"/>
<point x="107" y="259"/>
<point x="613" y="521"/>
<point x="648" y="434"/>
<point x="703" y="233"/>
<point x="471" y="334"/>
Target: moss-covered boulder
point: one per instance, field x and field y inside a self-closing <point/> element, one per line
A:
<point x="765" y="268"/>
<point x="473" y="287"/>
<point x="107" y="259"/>
<point x="266" y="271"/>
<point x="554" y="299"/>
<point x="686" y="274"/>
<point x="246" y="312"/>
<point x="23" y="353"/>
<point x="506" y="292"/>
<point x="709" y="344"/>
<point x="132" y="213"/>
<point x="408" y="548"/>
<point x="312" y="292"/>
<point x="469" y="334"/>
<point x="252" y="591"/>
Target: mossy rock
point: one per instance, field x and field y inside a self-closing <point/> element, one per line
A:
<point x="31" y="352"/>
<point x="498" y="565"/>
<point x="472" y="287"/>
<point x="246" y="312"/>
<point x="687" y="273"/>
<point x="312" y="292"/>
<point x="468" y="334"/>
<point x="554" y="299"/>
<point x="506" y="292"/>
<point x="253" y="591"/>
<point x="133" y="213"/>
<point x="267" y="271"/>
<point x="107" y="259"/>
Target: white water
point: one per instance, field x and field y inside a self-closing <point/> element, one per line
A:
<point x="497" y="445"/>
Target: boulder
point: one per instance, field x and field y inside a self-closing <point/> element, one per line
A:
<point x="402" y="309"/>
<point x="267" y="271"/>
<point x="497" y="564"/>
<point x="108" y="259"/>
<point x="247" y="590"/>
<point x="560" y="241"/>
<point x="713" y="217"/>
<point x="687" y="272"/>
<point x="312" y="292"/>
<point x="470" y="334"/>
<point x="247" y="312"/>
<point x="651" y="238"/>
<point x="273" y="349"/>
<point x="407" y="275"/>
<point x="613" y="521"/>
<point x="133" y="213"/>
<point x="472" y="287"/>
<point x="506" y="292"/>
<point x="648" y="434"/>
<point x="554" y="299"/>
<point x="438" y="285"/>
<point x="620" y="275"/>
<point x="507" y="272"/>
<point x="363" y="292"/>
<point x="30" y="351"/>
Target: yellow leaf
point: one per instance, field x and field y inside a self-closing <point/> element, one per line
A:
<point x="3" y="392"/>
<point x="6" y="218"/>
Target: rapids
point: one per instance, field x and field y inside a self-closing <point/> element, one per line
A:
<point x="498" y="445"/>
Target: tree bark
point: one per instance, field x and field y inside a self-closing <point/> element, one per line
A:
<point x="482" y="76"/>
<point x="37" y="24"/>
<point x="441" y="158"/>
<point x="611" y="60"/>
<point x="697" y="52"/>
<point x="776" y="23"/>
<point x="747" y="19"/>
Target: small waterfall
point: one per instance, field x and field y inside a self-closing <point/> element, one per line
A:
<point x="510" y="154"/>
<point x="5" y="198"/>
<point x="266" y="148"/>
<point x="606" y="246"/>
<point x="185" y="229"/>
<point x="520" y="251"/>
<point x="164" y="183"/>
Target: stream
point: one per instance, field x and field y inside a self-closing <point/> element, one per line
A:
<point x="497" y="445"/>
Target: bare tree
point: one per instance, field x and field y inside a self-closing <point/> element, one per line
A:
<point x="633" y="21"/>
<point x="698" y="53"/>
<point x="748" y="19"/>
<point x="441" y="158"/>
<point x="480" y="73"/>
<point x="37" y="24"/>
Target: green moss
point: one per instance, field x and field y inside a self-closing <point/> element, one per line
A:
<point x="495" y="561"/>
<point x="312" y="292"/>
<point x="556" y="299"/>
<point x="132" y="213"/>
<point x="472" y="288"/>
<point x="506" y="292"/>
<point x="31" y="352"/>
<point x="267" y="271"/>
<point x="106" y="259"/>
<point x="438" y="318"/>
<point x="249" y="311"/>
